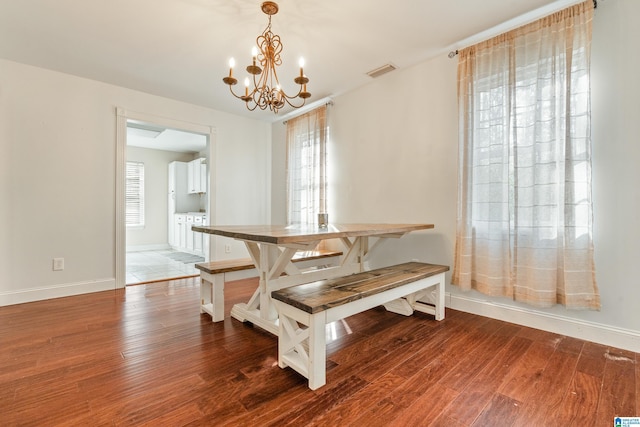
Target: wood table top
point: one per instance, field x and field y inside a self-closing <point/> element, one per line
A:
<point x="282" y="234"/>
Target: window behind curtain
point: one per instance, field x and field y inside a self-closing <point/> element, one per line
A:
<point x="524" y="226"/>
<point x="134" y="194"/>
<point x="306" y="166"/>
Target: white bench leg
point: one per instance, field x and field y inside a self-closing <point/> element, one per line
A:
<point x="303" y="349"/>
<point x="212" y="295"/>
<point x="205" y="293"/>
<point x="440" y="298"/>
<point x="423" y="300"/>
<point x="217" y="290"/>
<point x="317" y="351"/>
<point x="431" y="300"/>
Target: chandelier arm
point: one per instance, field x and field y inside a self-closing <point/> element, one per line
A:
<point x="251" y="108"/>
<point x="288" y="100"/>
<point x="292" y="96"/>
<point x="233" y="93"/>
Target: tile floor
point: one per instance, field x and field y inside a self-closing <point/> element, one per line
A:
<point x="152" y="266"/>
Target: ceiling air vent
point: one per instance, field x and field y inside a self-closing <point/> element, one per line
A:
<point x="381" y="70"/>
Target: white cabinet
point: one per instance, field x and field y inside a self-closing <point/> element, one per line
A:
<point x="203" y="176"/>
<point x="191" y="182"/>
<point x="172" y="185"/>
<point x="187" y="240"/>
<point x="182" y="202"/>
<point x="171" y="229"/>
<point x="197" y="176"/>
<point x="198" y="238"/>
<point x="181" y="184"/>
<point x="180" y="231"/>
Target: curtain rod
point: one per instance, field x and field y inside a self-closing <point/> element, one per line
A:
<point x="292" y="115"/>
<point x="453" y="53"/>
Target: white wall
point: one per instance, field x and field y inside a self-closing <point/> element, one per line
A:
<point x="393" y="158"/>
<point x="616" y="153"/>
<point x="57" y="176"/>
<point x="242" y="178"/>
<point x="279" y="174"/>
<point x="156" y="187"/>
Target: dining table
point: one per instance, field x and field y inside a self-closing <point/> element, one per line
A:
<point x="272" y="247"/>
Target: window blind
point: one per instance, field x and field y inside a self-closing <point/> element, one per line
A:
<point x="134" y="194"/>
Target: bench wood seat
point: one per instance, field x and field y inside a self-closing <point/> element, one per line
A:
<point x="226" y="266"/>
<point x="305" y="310"/>
<point x="214" y="274"/>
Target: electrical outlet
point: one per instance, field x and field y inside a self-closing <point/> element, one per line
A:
<point x="58" y="264"/>
<point x="227" y="249"/>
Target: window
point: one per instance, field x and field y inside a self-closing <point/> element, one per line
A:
<point x="134" y="194"/>
<point x="306" y="166"/>
<point x="524" y="226"/>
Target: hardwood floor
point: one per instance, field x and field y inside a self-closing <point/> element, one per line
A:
<point x="145" y="356"/>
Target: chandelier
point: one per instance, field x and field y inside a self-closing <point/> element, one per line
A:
<point x="266" y="91"/>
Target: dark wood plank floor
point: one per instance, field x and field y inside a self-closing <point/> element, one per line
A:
<point x="145" y="356"/>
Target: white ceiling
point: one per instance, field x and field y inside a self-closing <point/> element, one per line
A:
<point x="150" y="136"/>
<point x="180" y="48"/>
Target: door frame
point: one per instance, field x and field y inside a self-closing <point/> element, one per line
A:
<point x="122" y="115"/>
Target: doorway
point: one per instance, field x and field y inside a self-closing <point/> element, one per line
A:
<point x="157" y="195"/>
<point x="147" y="246"/>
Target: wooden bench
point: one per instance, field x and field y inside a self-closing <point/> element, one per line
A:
<point x="214" y="274"/>
<point x="305" y="310"/>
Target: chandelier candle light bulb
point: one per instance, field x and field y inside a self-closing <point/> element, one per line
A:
<point x="266" y="91"/>
<point x="246" y="97"/>
<point x="231" y="80"/>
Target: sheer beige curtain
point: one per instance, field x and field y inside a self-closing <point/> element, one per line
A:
<point x="524" y="225"/>
<point x="306" y="166"/>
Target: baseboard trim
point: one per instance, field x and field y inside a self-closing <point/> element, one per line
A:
<point x="589" y="331"/>
<point x="57" y="291"/>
